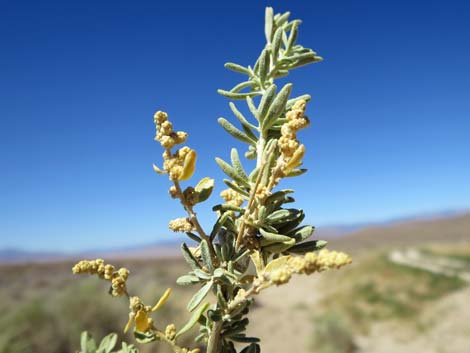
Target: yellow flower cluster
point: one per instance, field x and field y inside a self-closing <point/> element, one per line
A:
<point x="292" y="151"/>
<point x="106" y="271"/>
<point x="139" y="313"/>
<point x="170" y="332"/>
<point x="181" y="164"/>
<point x="182" y="225"/>
<point x="165" y="134"/>
<point x="232" y="197"/>
<point x="309" y="263"/>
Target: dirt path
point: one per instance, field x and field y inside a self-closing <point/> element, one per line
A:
<point x="283" y="317"/>
<point x="432" y="263"/>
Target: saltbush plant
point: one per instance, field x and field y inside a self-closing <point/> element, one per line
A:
<point x="258" y="240"/>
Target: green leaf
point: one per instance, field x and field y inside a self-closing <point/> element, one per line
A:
<point x="252" y="107"/>
<point x="199" y="296"/>
<point x="231" y="172"/>
<point x="204" y="188"/>
<point x="302" y="233"/>
<point x="144" y="337"/>
<point x="263" y="65"/>
<point x="193" y="237"/>
<point x="241" y="338"/>
<point x="296" y="172"/>
<point x="232" y="95"/>
<point x="188" y="256"/>
<point x="266" y="101"/>
<point x="277" y="40"/>
<point x="290" y="103"/>
<point x="228" y="207"/>
<point x="278" y="106"/>
<point x="87" y="343"/>
<point x="237" y="165"/>
<point x="292" y="36"/>
<point x="268" y="23"/>
<point x="282" y="19"/>
<point x="308" y="246"/>
<point x="107" y="343"/>
<point x="202" y="274"/>
<point x="236" y="188"/>
<point x="240" y="117"/>
<point x="241" y="86"/>
<point x="237" y="68"/>
<point x="186" y="280"/>
<point x="206" y="255"/>
<point x="232" y="130"/>
<point x="193" y="320"/>
<point x="269" y="238"/>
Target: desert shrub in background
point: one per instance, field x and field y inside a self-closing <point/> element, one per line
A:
<point x="258" y="240"/>
<point x="332" y="335"/>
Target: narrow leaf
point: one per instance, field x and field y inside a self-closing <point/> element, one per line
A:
<point x="308" y="246"/>
<point x="188" y="256"/>
<point x="237" y="68"/>
<point x="252" y="107"/>
<point x="193" y="320"/>
<point x="240" y="116"/>
<point x="206" y="255"/>
<point x="237" y="165"/>
<point x="268" y="23"/>
<point x="232" y="130"/>
<point x="266" y="101"/>
<point x="232" y="95"/>
<point x="236" y="188"/>
<point x="231" y="172"/>
<point x="278" y="106"/>
<point x="199" y="296"/>
<point x="269" y="238"/>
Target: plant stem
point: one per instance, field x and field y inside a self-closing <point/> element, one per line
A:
<point x="214" y="338"/>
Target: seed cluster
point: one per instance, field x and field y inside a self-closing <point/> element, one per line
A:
<point x="232" y="197"/>
<point x="106" y="271"/>
<point x="292" y="151"/>
<point x="309" y="263"/>
<point x="182" y="225"/>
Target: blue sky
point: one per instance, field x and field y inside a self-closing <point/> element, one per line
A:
<point x="80" y="81"/>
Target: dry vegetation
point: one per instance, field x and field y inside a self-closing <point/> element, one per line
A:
<point x="374" y="307"/>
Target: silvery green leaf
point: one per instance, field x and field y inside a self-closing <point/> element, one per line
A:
<point x="186" y="280"/>
<point x="292" y="36"/>
<point x="252" y="107"/>
<point x="263" y="67"/>
<point x="237" y="68"/>
<point x="193" y="237"/>
<point x="266" y="101"/>
<point x="294" y="223"/>
<point x="237" y="165"/>
<point x="306" y="61"/>
<point x="219" y="272"/>
<point x="279" y="216"/>
<point x="241" y="86"/>
<point x="232" y="130"/>
<point x="199" y="338"/>
<point x="281" y="73"/>
<point x="219" y="223"/>
<point x="188" y="256"/>
<point x="290" y="103"/>
<point x="107" y="343"/>
<point x="302" y="233"/>
<point x="240" y="117"/>
<point x="87" y="343"/>
<point x="202" y="274"/>
<point x="278" y="106"/>
<point x="278" y="247"/>
<point x="236" y="188"/>
<point x="296" y="172"/>
<point x="232" y="95"/>
<point x="145" y="337"/>
<point x="254" y="175"/>
<point x="228" y="207"/>
<point x="231" y="172"/>
<point x="214" y="315"/>
<point x="268" y="23"/>
<point x="282" y="19"/>
<point x="204" y="188"/>
<point x="193" y="320"/>
<point x="308" y="246"/>
<point x="278" y="195"/>
<point x="269" y="238"/>
<point x="206" y="255"/>
<point x="199" y="296"/>
<point x="250" y="155"/>
<point x="277" y="41"/>
<point x="262" y="213"/>
<point x="220" y="297"/>
<point x="241" y="338"/>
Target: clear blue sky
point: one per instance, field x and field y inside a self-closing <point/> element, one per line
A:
<point x="80" y="81"/>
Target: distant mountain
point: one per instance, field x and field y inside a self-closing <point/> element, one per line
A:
<point x="407" y="233"/>
<point x="448" y="226"/>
